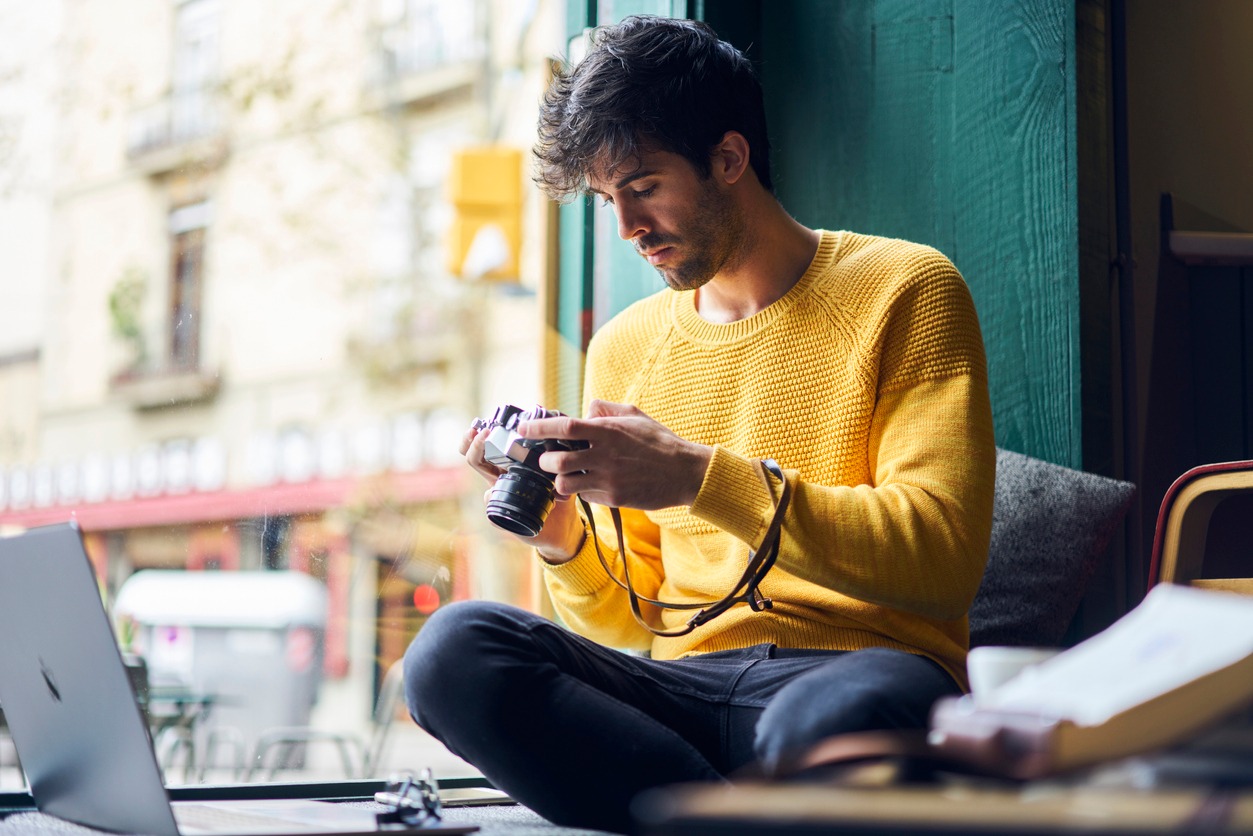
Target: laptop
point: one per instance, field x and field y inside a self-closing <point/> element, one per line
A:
<point x="79" y="732"/>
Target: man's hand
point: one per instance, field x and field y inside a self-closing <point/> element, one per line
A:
<point x="472" y="448"/>
<point x="562" y="534"/>
<point x="631" y="461"/>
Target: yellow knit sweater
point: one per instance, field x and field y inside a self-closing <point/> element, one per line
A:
<point x="867" y="383"/>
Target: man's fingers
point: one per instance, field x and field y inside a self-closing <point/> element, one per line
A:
<point x="597" y="408"/>
<point x="563" y="427"/>
<point x="472" y="449"/>
<point x="564" y="461"/>
<point x="609" y="409"/>
<point x="568" y="428"/>
<point x="467" y="440"/>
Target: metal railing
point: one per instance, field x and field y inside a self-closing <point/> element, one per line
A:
<point x="180" y="117"/>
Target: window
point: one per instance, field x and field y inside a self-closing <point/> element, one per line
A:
<point x="422" y="35"/>
<point x="238" y="352"/>
<point x="187" y="236"/>
<point x="195" y="69"/>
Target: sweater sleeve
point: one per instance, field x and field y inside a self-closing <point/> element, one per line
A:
<point x="583" y="594"/>
<point x="915" y="537"/>
<point x="916" y="540"/>
<point x="588" y="600"/>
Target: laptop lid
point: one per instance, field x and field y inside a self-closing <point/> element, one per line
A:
<point x="81" y="737"/>
<point x="69" y="703"/>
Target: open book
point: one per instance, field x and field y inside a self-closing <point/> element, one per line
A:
<point x="1180" y="661"/>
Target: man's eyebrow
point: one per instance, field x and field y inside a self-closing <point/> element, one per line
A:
<point x="638" y="174"/>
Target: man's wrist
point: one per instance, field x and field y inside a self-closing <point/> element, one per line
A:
<point x="699" y="457"/>
<point x="554" y="558"/>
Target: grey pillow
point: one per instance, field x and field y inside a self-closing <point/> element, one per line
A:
<point x="1050" y="526"/>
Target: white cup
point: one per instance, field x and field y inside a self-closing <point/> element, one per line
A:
<point x="991" y="667"/>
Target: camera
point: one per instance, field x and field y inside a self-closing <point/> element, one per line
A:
<point x="521" y="498"/>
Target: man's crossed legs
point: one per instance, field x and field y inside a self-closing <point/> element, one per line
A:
<point x="575" y="730"/>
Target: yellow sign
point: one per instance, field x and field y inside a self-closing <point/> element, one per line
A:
<point x="485" y="189"/>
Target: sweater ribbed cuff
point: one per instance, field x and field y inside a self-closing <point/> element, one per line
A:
<point x="734" y="498"/>
<point x="581" y="574"/>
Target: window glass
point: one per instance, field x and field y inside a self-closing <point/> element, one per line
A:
<point x="262" y="262"/>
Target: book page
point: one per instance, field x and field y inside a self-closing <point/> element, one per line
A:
<point x="1177" y="634"/>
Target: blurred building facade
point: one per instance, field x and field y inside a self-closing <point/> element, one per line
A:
<point x="234" y="337"/>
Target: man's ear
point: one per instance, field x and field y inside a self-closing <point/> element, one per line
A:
<point x="730" y="157"/>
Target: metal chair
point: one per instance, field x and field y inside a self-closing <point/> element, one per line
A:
<point x="391" y="694"/>
<point x="275" y="746"/>
<point x="227" y="738"/>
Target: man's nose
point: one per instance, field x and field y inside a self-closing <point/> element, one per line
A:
<point x="632" y="223"/>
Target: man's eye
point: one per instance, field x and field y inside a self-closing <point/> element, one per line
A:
<point x="645" y="192"/>
<point x="606" y="200"/>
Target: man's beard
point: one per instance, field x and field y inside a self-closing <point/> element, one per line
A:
<point x="713" y="237"/>
<point x="699" y="267"/>
<point x="694" y="273"/>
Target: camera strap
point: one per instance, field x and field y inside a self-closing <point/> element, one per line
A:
<point x="746" y="590"/>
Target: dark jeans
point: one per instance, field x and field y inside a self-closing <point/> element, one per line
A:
<point x="575" y="730"/>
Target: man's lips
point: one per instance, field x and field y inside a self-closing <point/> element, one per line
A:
<point x="656" y="256"/>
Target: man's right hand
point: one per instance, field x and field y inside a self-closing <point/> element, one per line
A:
<point x="562" y="535"/>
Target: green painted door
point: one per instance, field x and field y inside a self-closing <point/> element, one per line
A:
<point x="951" y="123"/>
<point x="948" y="122"/>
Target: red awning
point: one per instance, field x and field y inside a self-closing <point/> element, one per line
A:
<point x="273" y="500"/>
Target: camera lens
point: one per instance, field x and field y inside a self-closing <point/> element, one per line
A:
<point x="520" y="501"/>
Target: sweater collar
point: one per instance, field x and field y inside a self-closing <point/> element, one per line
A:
<point x="690" y="323"/>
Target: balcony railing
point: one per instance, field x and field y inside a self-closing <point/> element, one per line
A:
<point x="433" y="48"/>
<point x="178" y="119"/>
<point x="170" y="386"/>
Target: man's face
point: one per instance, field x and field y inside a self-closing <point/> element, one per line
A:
<point x="684" y="225"/>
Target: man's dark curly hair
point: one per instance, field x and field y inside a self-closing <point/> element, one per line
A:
<point x="648" y="84"/>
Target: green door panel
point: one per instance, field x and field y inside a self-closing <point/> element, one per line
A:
<point x="951" y="123"/>
<point x="948" y="122"/>
<point x="1016" y="215"/>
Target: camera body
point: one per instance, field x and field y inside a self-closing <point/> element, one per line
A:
<point x="523" y="495"/>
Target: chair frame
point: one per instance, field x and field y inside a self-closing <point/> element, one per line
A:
<point x="358" y="758"/>
<point x="1183" y="524"/>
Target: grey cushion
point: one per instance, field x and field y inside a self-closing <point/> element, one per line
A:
<point x="1050" y="527"/>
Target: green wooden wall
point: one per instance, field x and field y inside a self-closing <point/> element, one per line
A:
<point x="948" y="122"/>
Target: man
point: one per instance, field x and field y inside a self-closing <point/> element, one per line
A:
<point x="854" y="362"/>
